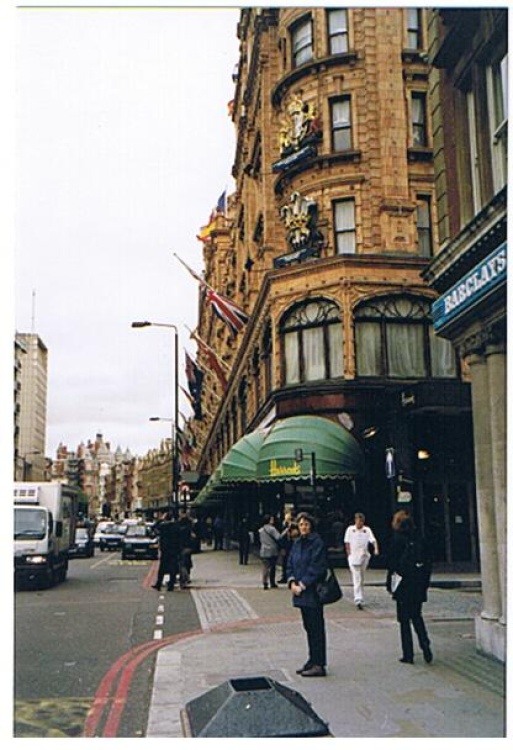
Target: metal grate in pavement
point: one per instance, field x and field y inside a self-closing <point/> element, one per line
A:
<point x="480" y="670"/>
<point x="220" y="607"/>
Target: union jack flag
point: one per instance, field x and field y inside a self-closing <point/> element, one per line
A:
<point x="223" y="307"/>
<point x="227" y="311"/>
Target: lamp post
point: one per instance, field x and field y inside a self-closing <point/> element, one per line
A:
<point x="174" y="480"/>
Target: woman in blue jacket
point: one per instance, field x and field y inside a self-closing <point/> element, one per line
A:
<point x="306" y="566"/>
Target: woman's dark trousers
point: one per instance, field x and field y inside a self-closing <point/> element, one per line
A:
<point x="408" y="614"/>
<point x="313" y="623"/>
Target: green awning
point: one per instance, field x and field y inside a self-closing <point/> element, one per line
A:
<point x="337" y="453"/>
<point x="239" y="464"/>
<point x="270" y="456"/>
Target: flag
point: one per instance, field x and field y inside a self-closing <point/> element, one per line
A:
<point x="206" y="231"/>
<point x="194" y="377"/>
<point x="221" y="204"/>
<point x="227" y="311"/>
<point x="196" y="405"/>
<point x="212" y="360"/>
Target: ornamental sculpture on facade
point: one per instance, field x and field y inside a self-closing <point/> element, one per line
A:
<point x="300" y="124"/>
<point x="303" y="237"/>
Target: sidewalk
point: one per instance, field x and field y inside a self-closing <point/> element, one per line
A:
<point x="249" y="632"/>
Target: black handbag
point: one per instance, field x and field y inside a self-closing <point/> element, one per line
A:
<point x="329" y="590"/>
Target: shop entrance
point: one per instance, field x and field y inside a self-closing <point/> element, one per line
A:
<point x="448" y="520"/>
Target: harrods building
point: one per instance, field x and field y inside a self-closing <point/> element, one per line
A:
<point x="339" y="395"/>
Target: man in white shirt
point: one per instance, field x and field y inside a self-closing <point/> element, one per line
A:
<point x="357" y="540"/>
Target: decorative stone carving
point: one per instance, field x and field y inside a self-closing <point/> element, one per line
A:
<point x="303" y="237"/>
<point x="299" y="124"/>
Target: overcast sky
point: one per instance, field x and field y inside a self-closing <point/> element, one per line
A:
<point x="124" y="145"/>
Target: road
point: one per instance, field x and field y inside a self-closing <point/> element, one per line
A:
<point x="76" y="641"/>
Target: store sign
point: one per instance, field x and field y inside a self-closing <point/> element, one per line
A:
<point x="282" y="469"/>
<point x="476" y="284"/>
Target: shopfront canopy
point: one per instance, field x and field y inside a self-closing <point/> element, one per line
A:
<point x="286" y="452"/>
<point x="296" y="445"/>
<point x="240" y="463"/>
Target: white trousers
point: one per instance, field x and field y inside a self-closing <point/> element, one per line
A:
<point x="358" y="575"/>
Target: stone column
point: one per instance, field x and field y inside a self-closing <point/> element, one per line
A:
<point x="485" y="488"/>
<point x="496" y="360"/>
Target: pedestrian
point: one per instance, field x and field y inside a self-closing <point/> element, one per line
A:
<point x="187" y="540"/>
<point x="408" y="576"/>
<point x="288" y="537"/>
<point x="359" y="540"/>
<point x="218" y="530"/>
<point x="307" y="566"/>
<point x="269" y="548"/>
<point x="169" y="547"/>
<point x="244" y="540"/>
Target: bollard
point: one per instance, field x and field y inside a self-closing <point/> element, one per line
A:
<point x="252" y="707"/>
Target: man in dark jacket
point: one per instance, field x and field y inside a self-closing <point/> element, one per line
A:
<point x="307" y="565"/>
<point x="169" y="544"/>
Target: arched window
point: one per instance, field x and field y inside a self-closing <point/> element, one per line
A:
<point x="394" y="338"/>
<point x="312" y="342"/>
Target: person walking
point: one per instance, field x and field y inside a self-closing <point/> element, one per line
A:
<point x="218" y="530"/>
<point x="408" y="576"/>
<point x="186" y="540"/>
<point x="307" y="565"/>
<point x="358" y="541"/>
<point x="269" y="537"/>
<point x="244" y="540"/>
<point x="169" y="546"/>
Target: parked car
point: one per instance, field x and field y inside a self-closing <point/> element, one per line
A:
<point x="99" y="531"/>
<point x="83" y="545"/>
<point x="112" y="537"/>
<point x="139" y="542"/>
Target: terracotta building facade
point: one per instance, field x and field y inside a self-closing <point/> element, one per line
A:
<point x="324" y="244"/>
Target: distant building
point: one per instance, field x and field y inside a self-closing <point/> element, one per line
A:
<point x="30" y="397"/>
<point x="154" y="480"/>
<point x="86" y="467"/>
<point x="19" y="351"/>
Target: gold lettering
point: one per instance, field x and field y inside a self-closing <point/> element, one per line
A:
<point x="275" y="470"/>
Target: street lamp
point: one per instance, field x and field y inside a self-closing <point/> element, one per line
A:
<point x="174" y="479"/>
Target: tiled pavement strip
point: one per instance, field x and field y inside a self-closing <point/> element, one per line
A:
<point x="249" y="632"/>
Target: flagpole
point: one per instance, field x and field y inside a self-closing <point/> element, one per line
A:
<point x="194" y="274"/>
<point x="195" y="336"/>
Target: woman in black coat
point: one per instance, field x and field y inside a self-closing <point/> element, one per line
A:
<point x="307" y="564"/>
<point x="409" y="571"/>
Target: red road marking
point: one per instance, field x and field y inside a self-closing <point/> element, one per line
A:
<point x="116" y="698"/>
<point x="106" y="696"/>
<point x="151" y="575"/>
